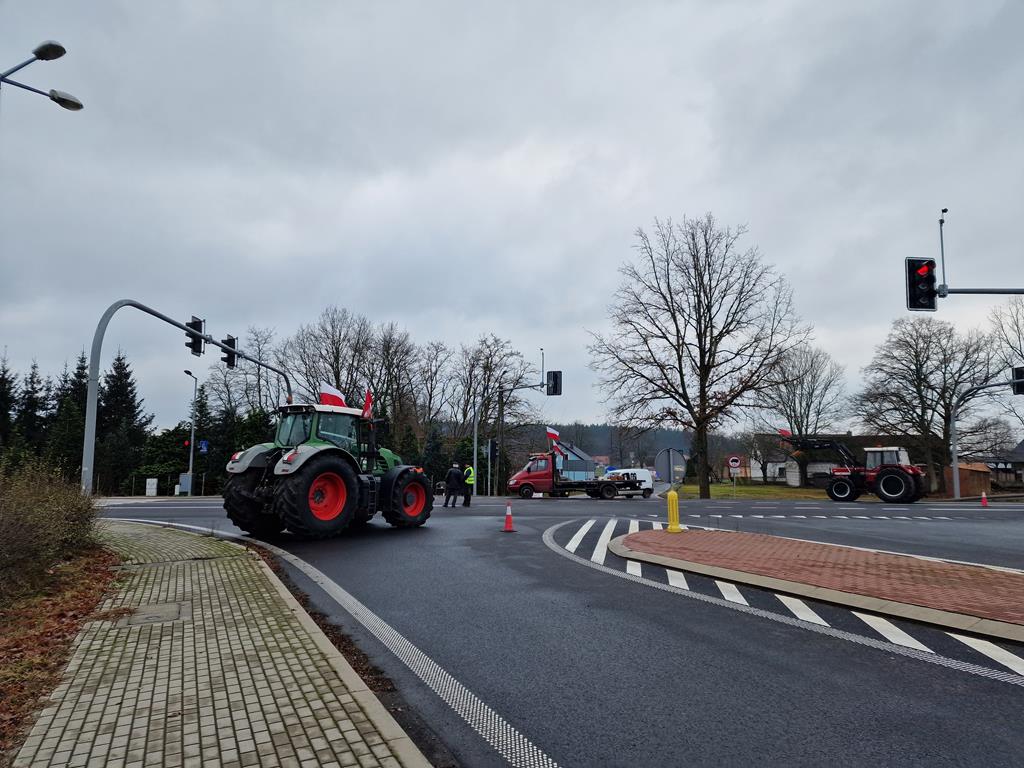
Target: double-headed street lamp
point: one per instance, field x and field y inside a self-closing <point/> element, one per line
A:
<point x="192" y="439"/>
<point x="47" y="51"/>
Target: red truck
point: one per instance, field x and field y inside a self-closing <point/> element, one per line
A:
<point x="540" y="475"/>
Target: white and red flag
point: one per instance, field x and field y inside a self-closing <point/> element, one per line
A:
<point x="368" y="405"/>
<point x="552" y="433"/>
<point x="331" y="396"/>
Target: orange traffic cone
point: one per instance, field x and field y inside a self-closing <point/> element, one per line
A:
<point x="508" y="519"/>
<point x="984" y="499"/>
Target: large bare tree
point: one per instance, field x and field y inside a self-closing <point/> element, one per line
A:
<point x="808" y="395"/>
<point x="699" y="327"/>
<point x="914" y="379"/>
<point x="1008" y="332"/>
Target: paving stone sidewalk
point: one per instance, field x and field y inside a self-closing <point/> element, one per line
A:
<point x="214" y="665"/>
<point x="987" y="593"/>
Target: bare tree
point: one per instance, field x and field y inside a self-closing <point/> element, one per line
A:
<point x="808" y="395"/>
<point x="699" y="327"/>
<point x="333" y="350"/>
<point x="914" y="379"/>
<point x="1008" y="332"/>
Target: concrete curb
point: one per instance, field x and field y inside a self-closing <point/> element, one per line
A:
<point x="958" y="621"/>
<point x="390" y="731"/>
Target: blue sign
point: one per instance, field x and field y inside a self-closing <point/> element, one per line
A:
<point x="204" y="446"/>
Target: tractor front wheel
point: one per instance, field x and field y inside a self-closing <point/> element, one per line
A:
<point x="842" y="489"/>
<point x="320" y="499"/>
<point x="894" y="486"/>
<point x="245" y="508"/>
<point x="411" y="501"/>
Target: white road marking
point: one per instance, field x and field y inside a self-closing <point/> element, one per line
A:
<point x="735" y="515"/>
<point x="601" y="548"/>
<point x="939" y="517"/>
<point x="801" y="610"/>
<point x="881" y="517"/>
<point x="761" y="516"/>
<point x="676" y="578"/>
<point x="890" y="631"/>
<point x="777" y="516"/>
<point x="841" y="517"/>
<point x="633" y="566"/>
<point x="917" y="517"/>
<point x="801" y="517"/>
<point x="820" y="517"/>
<point x="655" y="526"/>
<point x="993" y="651"/>
<point x="860" y="517"/>
<point x="575" y="540"/>
<point x="730" y="593"/>
<point x="899" y="517"/>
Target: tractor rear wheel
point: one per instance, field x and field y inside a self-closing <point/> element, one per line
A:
<point x="245" y="508"/>
<point x="918" y="489"/>
<point x="842" y="489"/>
<point x="894" y="486"/>
<point x="320" y="499"/>
<point x="411" y="501"/>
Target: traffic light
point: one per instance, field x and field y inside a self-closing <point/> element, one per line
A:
<point x="921" y="293"/>
<point x="186" y="443"/>
<point x="194" y="335"/>
<point x="492" y="451"/>
<point x="554" y="383"/>
<point x="1018" y="381"/>
<point x="230" y="358"/>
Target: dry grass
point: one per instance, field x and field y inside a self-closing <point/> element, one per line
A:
<point x="38" y="630"/>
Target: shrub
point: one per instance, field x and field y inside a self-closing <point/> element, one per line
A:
<point x="43" y="519"/>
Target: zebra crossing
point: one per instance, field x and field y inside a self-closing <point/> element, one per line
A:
<point x="589" y="539"/>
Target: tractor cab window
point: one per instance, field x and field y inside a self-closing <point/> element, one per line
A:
<point x="875" y="459"/>
<point x="294" y="428"/>
<point x="338" y="428"/>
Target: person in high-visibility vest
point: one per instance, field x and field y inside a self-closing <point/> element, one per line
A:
<point x="469" y="480"/>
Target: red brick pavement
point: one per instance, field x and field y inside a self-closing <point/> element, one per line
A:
<point x="966" y="589"/>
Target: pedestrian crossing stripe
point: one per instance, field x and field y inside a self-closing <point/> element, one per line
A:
<point x="901" y="634"/>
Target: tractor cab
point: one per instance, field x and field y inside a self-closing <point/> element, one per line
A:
<point x="878" y="457"/>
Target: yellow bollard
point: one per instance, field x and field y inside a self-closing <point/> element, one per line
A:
<point x="673" y="512"/>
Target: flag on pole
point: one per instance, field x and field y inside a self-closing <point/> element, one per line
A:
<point x="552" y="433"/>
<point x="368" y="405"/>
<point x="331" y="396"/>
<point x="785" y="433"/>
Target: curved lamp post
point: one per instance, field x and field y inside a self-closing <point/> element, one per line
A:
<point x="45" y="51"/>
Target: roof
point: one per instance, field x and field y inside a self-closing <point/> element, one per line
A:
<point x="307" y="407"/>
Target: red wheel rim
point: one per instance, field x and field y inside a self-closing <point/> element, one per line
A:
<point x="327" y="496"/>
<point x="414" y="498"/>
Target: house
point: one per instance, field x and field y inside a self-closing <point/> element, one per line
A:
<point x="1007" y="469"/>
<point x="574" y="463"/>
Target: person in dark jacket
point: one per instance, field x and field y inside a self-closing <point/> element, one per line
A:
<point x="453" y="485"/>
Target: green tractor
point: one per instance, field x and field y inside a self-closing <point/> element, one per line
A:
<point x="322" y="475"/>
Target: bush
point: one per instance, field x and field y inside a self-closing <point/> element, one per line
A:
<point x="43" y="519"/>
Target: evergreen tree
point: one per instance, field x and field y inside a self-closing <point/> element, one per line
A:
<point x="31" y="410"/>
<point x="8" y="402"/>
<point x="122" y="428"/>
<point x="78" y="384"/>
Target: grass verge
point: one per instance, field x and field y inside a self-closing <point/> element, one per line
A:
<point x="38" y="630"/>
<point x="754" y="491"/>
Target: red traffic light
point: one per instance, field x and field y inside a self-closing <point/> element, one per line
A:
<point x="924" y="269"/>
<point x="186" y="443"/>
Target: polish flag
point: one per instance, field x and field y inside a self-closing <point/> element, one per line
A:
<point x="785" y="433"/>
<point x="552" y="433"/>
<point x="368" y="405"/>
<point x="331" y="396"/>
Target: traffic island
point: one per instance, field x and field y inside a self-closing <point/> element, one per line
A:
<point x="969" y="598"/>
<point x="203" y="657"/>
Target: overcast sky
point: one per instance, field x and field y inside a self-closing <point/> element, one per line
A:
<point x="462" y="168"/>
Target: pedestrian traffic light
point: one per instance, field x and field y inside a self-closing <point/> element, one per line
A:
<point x="921" y="293"/>
<point x="1018" y="381"/>
<point x="230" y="358"/>
<point x="194" y="336"/>
<point x="554" y="383"/>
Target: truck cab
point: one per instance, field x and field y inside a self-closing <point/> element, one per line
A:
<point x="537" y="476"/>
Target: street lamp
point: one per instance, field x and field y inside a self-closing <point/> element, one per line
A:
<point x="192" y="439"/>
<point x="45" y="51"/>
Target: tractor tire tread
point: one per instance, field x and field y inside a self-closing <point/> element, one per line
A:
<point x="245" y="510"/>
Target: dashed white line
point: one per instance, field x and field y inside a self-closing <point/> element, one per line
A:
<point x="601" y="548"/>
<point x="993" y="651"/>
<point x="801" y="517"/>
<point x="890" y="631"/>
<point x="801" y="610"/>
<point x="676" y="579"/>
<point x="730" y="593"/>
<point x="841" y="517"/>
<point x="633" y="566"/>
<point x="860" y="517"/>
<point x="575" y="540"/>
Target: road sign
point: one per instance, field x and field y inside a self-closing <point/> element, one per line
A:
<point x="204" y="446"/>
<point x="151" y="486"/>
<point x="734" y="462"/>
<point x="734" y="471"/>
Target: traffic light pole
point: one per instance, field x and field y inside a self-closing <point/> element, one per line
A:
<point x="89" y="444"/>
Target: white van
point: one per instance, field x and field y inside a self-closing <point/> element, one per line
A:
<point x="643" y="475"/>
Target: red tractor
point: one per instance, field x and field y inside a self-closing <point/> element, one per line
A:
<point x="887" y="472"/>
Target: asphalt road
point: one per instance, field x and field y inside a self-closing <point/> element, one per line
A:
<point x="597" y="667"/>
